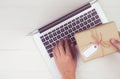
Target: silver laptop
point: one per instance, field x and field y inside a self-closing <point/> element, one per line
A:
<point x="89" y="15"/>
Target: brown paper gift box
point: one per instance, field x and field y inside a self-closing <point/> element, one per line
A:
<point x="99" y="35"/>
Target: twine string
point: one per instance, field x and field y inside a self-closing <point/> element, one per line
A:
<point x="99" y="40"/>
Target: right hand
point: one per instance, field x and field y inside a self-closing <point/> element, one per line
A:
<point x="116" y="43"/>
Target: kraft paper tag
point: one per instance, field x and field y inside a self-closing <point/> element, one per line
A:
<point x="90" y="50"/>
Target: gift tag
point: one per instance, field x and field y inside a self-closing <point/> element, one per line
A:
<point x="90" y="50"/>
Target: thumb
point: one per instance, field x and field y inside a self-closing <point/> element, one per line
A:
<point x="74" y="52"/>
<point x="115" y="43"/>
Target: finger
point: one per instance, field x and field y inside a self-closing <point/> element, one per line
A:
<point x="61" y="48"/>
<point x="74" y="52"/>
<point x="72" y="49"/>
<point x="115" y="43"/>
<point x="67" y="48"/>
<point x="118" y="33"/>
<point x="56" y="51"/>
<point x="54" y="55"/>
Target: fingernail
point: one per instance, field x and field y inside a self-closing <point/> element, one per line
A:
<point x="72" y="44"/>
<point x="65" y="38"/>
<point x="113" y="40"/>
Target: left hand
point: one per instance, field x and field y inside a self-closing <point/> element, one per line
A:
<point x="65" y="59"/>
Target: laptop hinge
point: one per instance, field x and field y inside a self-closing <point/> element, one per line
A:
<point x="50" y="25"/>
<point x="93" y="1"/>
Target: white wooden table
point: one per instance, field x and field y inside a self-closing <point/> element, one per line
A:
<point x="20" y="58"/>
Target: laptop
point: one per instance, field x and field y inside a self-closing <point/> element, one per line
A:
<point x="87" y="16"/>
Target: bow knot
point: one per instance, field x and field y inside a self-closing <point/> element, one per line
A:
<point x="99" y="41"/>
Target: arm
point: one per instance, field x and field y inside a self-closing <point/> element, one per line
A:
<point x="65" y="59"/>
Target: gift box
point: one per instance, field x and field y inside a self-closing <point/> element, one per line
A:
<point x="94" y="43"/>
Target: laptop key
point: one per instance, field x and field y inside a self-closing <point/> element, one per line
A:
<point x="81" y="25"/>
<point x="88" y="26"/>
<point x="93" y="10"/>
<point x="91" y="24"/>
<point x="84" y="28"/>
<point x="70" y="30"/>
<point x="73" y="24"/>
<point x="77" y="18"/>
<point x="81" y="20"/>
<point x="50" y="35"/>
<point x="69" y="22"/>
<point x="46" y="43"/>
<point x="43" y="39"/>
<point x="85" y="18"/>
<point x="51" y="40"/>
<point x="62" y="35"/>
<point x="53" y="43"/>
<point x="74" y="28"/>
<point x="97" y="21"/>
<point x="93" y="18"/>
<point x="96" y="16"/>
<point x="58" y="31"/>
<point x="73" y="20"/>
<point x="81" y="16"/>
<point x="69" y="36"/>
<point x="62" y="30"/>
<point x="51" y="55"/>
<point x="85" y="23"/>
<point x="89" y="20"/>
<point x="65" y="24"/>
<point x="49" y="46"/>
<point x="54" y="38"/>
<point x="58" y="36"/>
<point x="47" y="38"/>
<point x="54" y="33"/>
<point x="76" y="31"/>
<point x="57" y="41"/>
<point x="85" y="14"/>
<point x="80" y="29"/>
<point x="66" y="28"/>
<point x="77" y="22"/>
<point x="89" y="16"/>
<point x="49" y="50"/>
<point x="77" y="26"/>
<point x="66" y="33"/>
<point x="94" y="13"/>
<point x="89" y="12"/>
<point x="73" y="39"/>
<point x="70" y="26"/>
<point x="72" y="34"/>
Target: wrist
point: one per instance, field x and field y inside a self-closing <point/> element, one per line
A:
<point x="70" y="76"/>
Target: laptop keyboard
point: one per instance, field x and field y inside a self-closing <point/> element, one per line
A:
<point x="86" y="21"/>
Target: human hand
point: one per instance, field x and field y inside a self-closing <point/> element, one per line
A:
<point x="65" y="59"/>
<point x="116" y="43"/>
